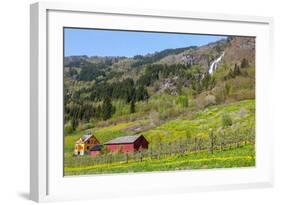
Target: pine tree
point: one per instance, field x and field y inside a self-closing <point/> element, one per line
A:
<point x="132" y="107"/>
<point x="74" y="123"/>
<point x="141" y="93"/>
<point x="236" y="70"/>
<point x="107" y="108"/>
<point x="244" y="63"/>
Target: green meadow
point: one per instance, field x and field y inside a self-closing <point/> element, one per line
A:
<point x="240" y="157"/>
<point x="186" y="126"/>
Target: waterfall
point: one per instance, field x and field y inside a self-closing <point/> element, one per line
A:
<point x="215" y="63"/>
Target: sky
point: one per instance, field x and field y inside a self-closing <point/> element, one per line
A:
<point x="93" y="42"/>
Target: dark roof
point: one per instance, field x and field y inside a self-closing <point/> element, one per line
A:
<point x="97" y="147"/>
<point x="86" y="137"/>
<point x="124" y="140"/>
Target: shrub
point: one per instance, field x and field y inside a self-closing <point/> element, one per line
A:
<point x="68" y="128"/>
<point x="182" y="101"/>
<point x="226" y="120"/>
<point x="220" y="93"/>
<point x="200" y="101"/>
<point x="227" y="88"/>
<point x="205" y="100"/>
<point x="154" y="118"/>
<point x="210" y="100"/>
<point x="244" y="63"/>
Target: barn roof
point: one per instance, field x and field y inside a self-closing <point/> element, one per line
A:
<point x="124" y="140"/>
<point x="97" y="147"/>
<point x="86" y="137"/>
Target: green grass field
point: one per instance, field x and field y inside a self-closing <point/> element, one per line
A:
<point x="196" y="124"/>
<point x="239" y="157"/>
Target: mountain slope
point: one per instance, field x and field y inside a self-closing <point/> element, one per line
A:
<point x="180" y="76"/>
<point x="239" y="48"/>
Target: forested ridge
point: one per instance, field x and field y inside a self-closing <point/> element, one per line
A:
<point x="101" y="88"/>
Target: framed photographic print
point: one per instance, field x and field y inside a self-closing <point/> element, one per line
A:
<point x="129" y="102"/>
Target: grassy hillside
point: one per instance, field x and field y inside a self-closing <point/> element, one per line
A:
<point x="185" y="128"/>
<point x="192" y="124"/>
<point x="192" y="119"/>
<point x="242" y="114"/>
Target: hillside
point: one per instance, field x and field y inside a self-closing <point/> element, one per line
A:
<point x="182" y="73"/>
<point x="185" y="129"/>
<point x="184" y="99"/>
<point x="194" y="124"/>
<point x="239" y="49"/>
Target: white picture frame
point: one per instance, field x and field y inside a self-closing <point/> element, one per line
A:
<point x="47" y="182"/>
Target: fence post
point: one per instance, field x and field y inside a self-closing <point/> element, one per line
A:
<point x="212" y="138"/>
<point x="195" y="144"/>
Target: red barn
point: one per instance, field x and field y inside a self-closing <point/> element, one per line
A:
<point x="127" y="144"/>
<point x="96" y="149"/>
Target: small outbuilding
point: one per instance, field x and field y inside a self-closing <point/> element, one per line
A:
<point x="84" y="144"/>
<point x="96" y="149"/>
<point x="127" y="144"/>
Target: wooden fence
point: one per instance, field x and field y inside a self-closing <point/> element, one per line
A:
<point x="219" y="140"/>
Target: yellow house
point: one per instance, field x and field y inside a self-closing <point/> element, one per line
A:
<point x="84" y="144"/>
